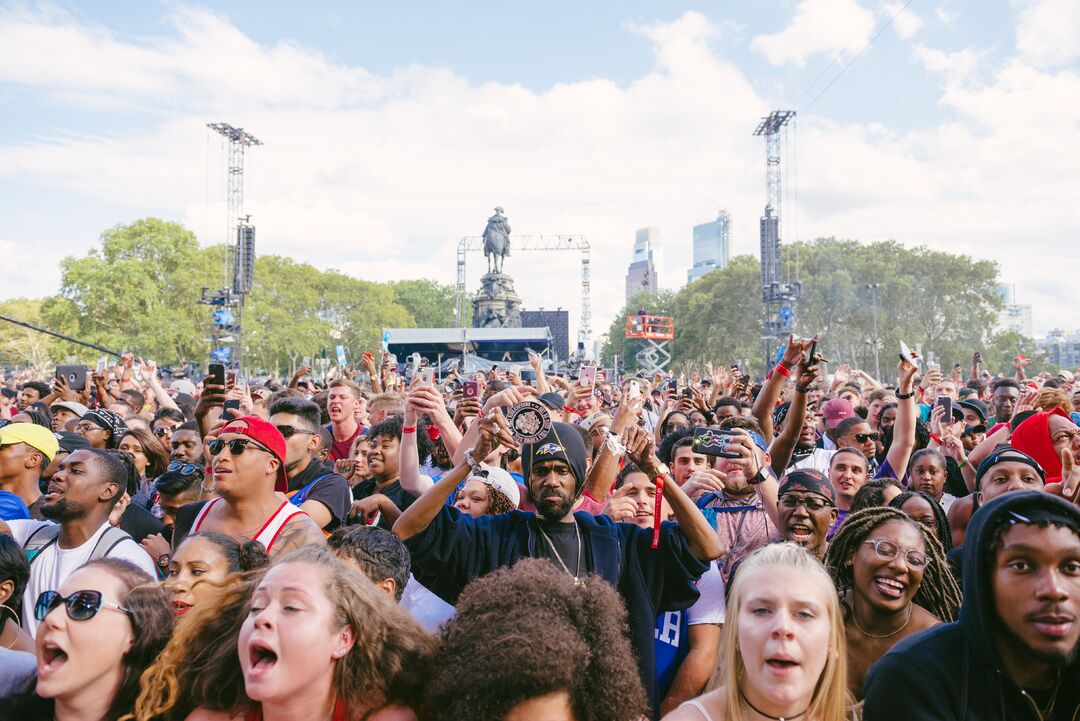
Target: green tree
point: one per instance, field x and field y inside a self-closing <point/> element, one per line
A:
<point x="431" y="304"/>
<point x="20" y="345"/>
<point x="357" y="311"/>
<point x="138" y="291"/>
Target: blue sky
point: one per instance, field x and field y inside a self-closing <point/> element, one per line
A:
<point x="391" y="130"/>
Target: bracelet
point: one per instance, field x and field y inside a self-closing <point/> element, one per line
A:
<point x="905" y="396"/>
<point x="963" y="462"/>
<point x="409" y="429"/>
<point x="473" y="463"/>
<point x="782" y="370"/>
<point x="800" y="388"/>
<point x="762" y="475"/>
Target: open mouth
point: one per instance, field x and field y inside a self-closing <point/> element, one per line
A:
<point x="181" y="607"/>
<point x="262" y="658"/>
<point x="799" y="533"/>
<point x="890" y="587"/>
<point x="781" y="664"/>
<point x="52" y="658"/>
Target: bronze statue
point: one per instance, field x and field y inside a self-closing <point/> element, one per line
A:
<point x="496" y="241"/>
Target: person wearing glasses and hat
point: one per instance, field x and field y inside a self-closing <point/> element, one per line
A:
<point x="806" y="505"/>
<point x="249" y="472"/>
<point x="653" y="569"/>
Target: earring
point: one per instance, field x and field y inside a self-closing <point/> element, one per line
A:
<point x="9" y="609"/>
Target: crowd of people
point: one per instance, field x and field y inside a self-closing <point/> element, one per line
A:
<point x="390" y="544"/>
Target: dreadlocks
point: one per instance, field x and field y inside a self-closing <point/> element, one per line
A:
<point x="938" y="593"/>
<point x="941" y="519"/>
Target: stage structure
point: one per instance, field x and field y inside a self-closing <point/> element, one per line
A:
<point x="571" y="243"/>
<point x="779" y="296"/>
<point x="657" y="331"/>
<point x="227" y="335"/>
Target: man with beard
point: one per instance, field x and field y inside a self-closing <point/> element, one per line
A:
<point x="449" y="549"/>
<point x="1012" y="653"/>
<point x="186" y="444"/>
<point x="806" y="505"/>
<point x="78" y="501"/>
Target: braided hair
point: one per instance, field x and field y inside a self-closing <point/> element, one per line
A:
<point x="938" y="593"/>
<point x="941" y="519"/>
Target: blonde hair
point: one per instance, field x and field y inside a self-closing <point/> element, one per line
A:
<point x="829" y="701"/>
<point x="1051" y="398"/>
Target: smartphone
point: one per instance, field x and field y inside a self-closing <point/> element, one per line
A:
<point x="415" y="360"/>
<point x="810" y="360"/>
<point x="635" y="390"/>
<point x="306" y="360"/>
<point x="587" y="376"/>
<point x="933" y="367"/>
<point x="427" y="377"/>
<point x="102" y="364"/>
<point x="688" y="393"/>
<point x="907" y="355"/>
<point x="230" y="378"/>
<point x="946" y="403"/>
<point x="74" y="374"/>
<point x="217" y="374"/>
<point x="713" y="443"/>
<point x="341" y="360"/>
<point x="232" y="409"/>
<point x="470" y="390"/>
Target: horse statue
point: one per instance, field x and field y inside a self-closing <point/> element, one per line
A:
<point x="496" y="241"/>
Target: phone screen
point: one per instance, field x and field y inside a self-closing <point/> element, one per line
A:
<point x="946" y="403"/>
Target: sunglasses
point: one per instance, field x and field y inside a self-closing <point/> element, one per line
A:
<point x="81" y="605"/>
<point x="290" y="431"/>
<point x="185" y="469"/>
<point x="812" y="503"/>
<point x="162" y="432"/>
<point x="236" y="446"/>
<point x="864" y="437"/>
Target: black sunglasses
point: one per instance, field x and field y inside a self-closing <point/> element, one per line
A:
<point x="290" y="431"/>
<point x="236" y="446"/>
<point x="81" y="605"/>
<point x="864" y="437"/>
<point x="185" y="469"/>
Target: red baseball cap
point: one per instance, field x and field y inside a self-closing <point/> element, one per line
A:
<point x="267" y="435"/>
<point x="835" y="411"/>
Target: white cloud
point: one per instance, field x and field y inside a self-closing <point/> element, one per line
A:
<point x="380" y="175"/>
<point x="1048" y="33"/>
<point x="905" y="21"/>
<point x="945" y="16"/>
<point x="826" y="27"/>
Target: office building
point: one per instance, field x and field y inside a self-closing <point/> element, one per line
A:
<point x="1062" y="349"/>
<point x="645" y="264"/>
<point x="712" y="246"/>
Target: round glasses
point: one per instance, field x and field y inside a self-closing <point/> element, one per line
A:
<point x="889" y="550"/>
<point x="813" y="503"/>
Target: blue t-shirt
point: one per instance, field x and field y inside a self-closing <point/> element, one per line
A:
<point x="671" y="648"/>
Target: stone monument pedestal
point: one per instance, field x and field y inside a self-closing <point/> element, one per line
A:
<point x="496" y="304"/>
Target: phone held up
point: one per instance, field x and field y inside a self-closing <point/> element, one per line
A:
<point x="217" y="374"/>
<point x="946" y="403"/>
<point x="75" y="375"/>
<point x="470" y="390"/>
<point x="714" y="443"/>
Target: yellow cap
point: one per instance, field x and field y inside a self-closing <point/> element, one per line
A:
<point x="32" y="435"/>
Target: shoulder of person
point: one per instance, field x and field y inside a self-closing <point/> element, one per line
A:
<point x="22" y="528"/>
<point x="394" y="713"/>
<point x="202" y="714"/>
<point x="711" y="701"/>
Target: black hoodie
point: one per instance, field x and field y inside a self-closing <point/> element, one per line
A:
<point x="953" y="671"/>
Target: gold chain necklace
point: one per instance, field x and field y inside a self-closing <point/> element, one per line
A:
<point x="855" y="621"/>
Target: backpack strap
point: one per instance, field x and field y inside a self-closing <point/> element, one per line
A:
<point x="43" y="537"/>
<point x="109" y="540"/>
<point x="301" y="494"/>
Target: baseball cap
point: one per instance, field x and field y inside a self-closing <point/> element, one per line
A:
<point x="1066" y="375"/>
<point x="33" y="435"/>
<point x="77" y="408"/>
<point x="183" y="385"/>
<point x="267" y="435"/>
<point x="500" y="480"/>
<point x="71" y="442"/>
<point x="975" y="406"/>
<point x="553" y="400"/>
<point x="837" y="410"/>
<point x="595" y="419"/>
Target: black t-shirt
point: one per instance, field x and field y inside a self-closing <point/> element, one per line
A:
<point x="566" y="540"/>
<point x="139" y="522"/>
<point x="398" y="495"/>
<point x="332" y="490"/>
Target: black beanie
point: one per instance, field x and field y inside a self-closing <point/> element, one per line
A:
<point x="562" y="443"/>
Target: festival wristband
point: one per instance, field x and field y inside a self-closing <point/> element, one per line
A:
<point x="409" y="429"/>
<point x="659" y="480"/>
<point x="782" y="370"/>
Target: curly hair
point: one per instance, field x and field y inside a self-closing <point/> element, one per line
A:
<point x="200" y="667"/>
<point x="941" y="519"/>
<point x="528" y="631"/>
<point x="873" y="493"/>
<point x="938" y="593"/>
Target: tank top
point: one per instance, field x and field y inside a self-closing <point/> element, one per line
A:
<point x="699" y="707"/>
<point x="339" y="713"/>
<point x="269" y="531"/>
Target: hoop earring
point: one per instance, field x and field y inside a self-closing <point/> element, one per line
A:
<point x="18" y="623"/>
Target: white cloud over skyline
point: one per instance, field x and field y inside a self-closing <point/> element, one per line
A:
<point x="380" y="175"/>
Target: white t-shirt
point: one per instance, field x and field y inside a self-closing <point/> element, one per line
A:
<point x="819" y="460"/>
<point x="711" y="606"/>
<point x="52" y="566"/>
<point x="431" y="611"/>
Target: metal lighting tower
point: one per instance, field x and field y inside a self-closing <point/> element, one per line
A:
<point x="778" y="297"/>
<point x="227" y="335"/>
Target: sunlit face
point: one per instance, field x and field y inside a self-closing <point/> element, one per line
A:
<point x="130" y="444"/>
<point x="848" y="474"/>
<point x="928" y="475"/>
<point x="292" y="637"/>
<point x="1007" y="476"/>
<point x="644" y="497"/>
<point x="383" y="458"/>
<point x="859" y="436"/>
<point x="196" y="569"/>
<point x="341" y="404"/>
<point x="473" y="499"/>
<point x="1064" y="435"/>
<point x="889" y="584"/>
<point x="802" y="525"/>
<point x="1004" y="402"/>
<point x="784" y="637"/>
<point x="235" y="475"/>
<point x="77" y="659"/>
<point x="684" y="462"/>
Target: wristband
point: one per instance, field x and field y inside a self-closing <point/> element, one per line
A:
<point x="664" y="472"/>
<point x="905" y="396"/>
<point x="936" y="438"/>
<point x="962" y="463"/>
<point x="799" y="388"/>
<point x="782" y="369"/>
<point x="410" y="429"/>
<point x="761" y="476"/>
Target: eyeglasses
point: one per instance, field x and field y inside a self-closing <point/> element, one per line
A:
<point x="864" y="437"/>
<point x="165" y="431"/>
<point x="813" y="503"/>
<point x="888" y="550"/>
<point x="185" y="469"/>
<point x="290" y="431"/>
<point x="236" y="446"/>
<point x="81" y="605"/>
<point x="87" y="427"/>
